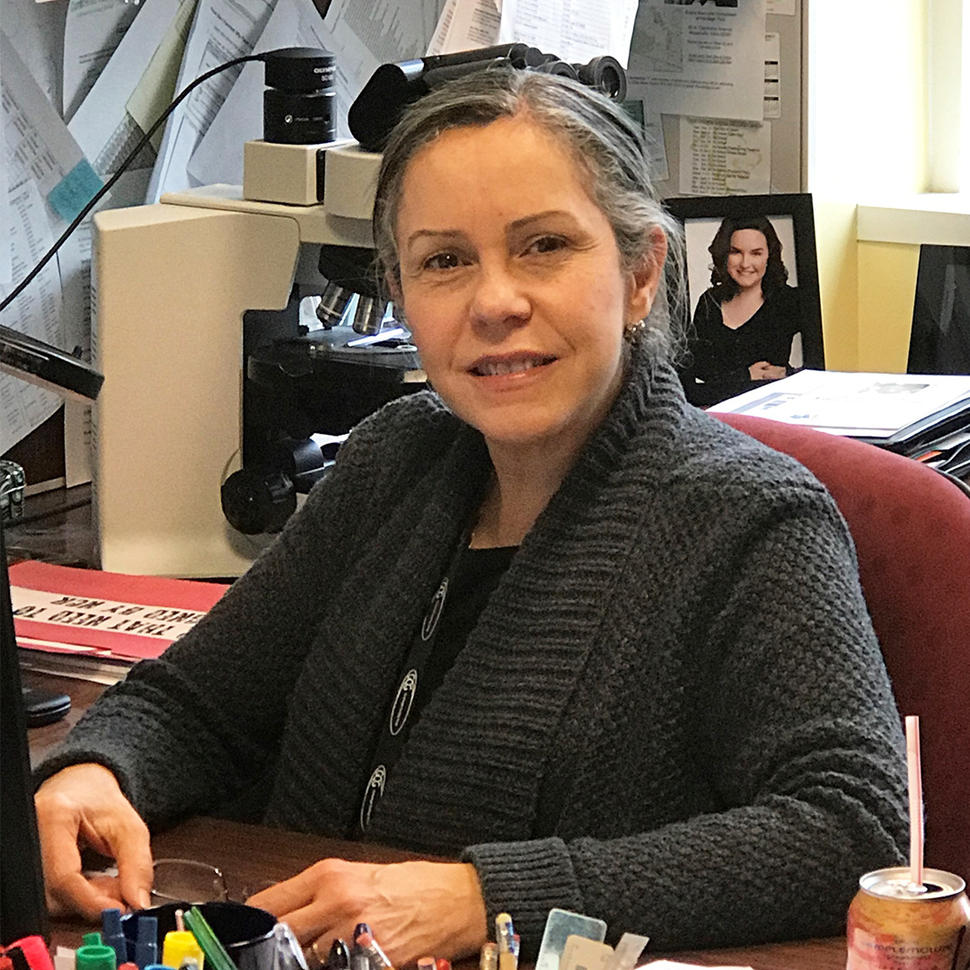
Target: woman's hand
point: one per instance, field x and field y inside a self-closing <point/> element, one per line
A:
<point x="83" y="807"/>
<point x="764" y="371"/>
<point x="414" y="908"/>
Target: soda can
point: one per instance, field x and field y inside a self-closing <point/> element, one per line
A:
<point x="895" y="925"/>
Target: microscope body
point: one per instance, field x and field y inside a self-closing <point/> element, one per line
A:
<point x="171" y="286"/>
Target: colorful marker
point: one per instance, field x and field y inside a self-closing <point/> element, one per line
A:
<point x="488" y="958"/>
<point x="505" y="939"/>
<point x="378" y="957"/>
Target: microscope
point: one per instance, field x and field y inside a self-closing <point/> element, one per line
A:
<point x="241" y="330"/>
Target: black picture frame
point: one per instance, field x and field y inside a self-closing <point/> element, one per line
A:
<point x="793" y="218"/>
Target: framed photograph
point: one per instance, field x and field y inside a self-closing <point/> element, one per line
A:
<point x="753" y="303"/>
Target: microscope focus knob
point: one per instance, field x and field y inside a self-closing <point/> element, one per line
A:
<point x="258" y="500"/>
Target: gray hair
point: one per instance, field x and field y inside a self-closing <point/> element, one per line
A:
<point x="604" y="141"/>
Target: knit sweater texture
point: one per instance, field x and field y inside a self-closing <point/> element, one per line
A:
<point x="672" y="714"/>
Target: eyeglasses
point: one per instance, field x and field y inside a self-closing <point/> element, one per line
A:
<point x="185" y="880"/>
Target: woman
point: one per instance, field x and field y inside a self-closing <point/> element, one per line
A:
<point x="744" y="324"/>
<point x="655" y="695"/>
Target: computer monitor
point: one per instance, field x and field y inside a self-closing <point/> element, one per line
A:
<point x="22" y="908"/>
<point x="939" y="342"/>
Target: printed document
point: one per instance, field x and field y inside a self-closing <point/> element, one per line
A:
<point x="724" y="158"/>
<point x="465" y="25"/>
<point x="92" y="31"/>
<point x="103" y="124"/>
<point x="858" y="405"/>
<point x="700" y="60"/>
<point x="574" y="30"/>
<point x="48" y="181"/>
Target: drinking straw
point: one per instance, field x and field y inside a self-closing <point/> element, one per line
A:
<point x="915" y="801"/>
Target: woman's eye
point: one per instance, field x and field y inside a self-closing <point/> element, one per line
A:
<point x="546" y="244"/>
<point x="442" y="261"/>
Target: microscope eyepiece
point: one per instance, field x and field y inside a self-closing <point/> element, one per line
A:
<point x="392" y="87"/>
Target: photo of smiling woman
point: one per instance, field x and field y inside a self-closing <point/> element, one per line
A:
<point x="745" y="323"/>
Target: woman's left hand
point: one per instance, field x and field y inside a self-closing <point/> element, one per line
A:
<point x="415" y="909"/>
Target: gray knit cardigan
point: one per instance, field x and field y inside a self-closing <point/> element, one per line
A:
<point x="672" y="714"/>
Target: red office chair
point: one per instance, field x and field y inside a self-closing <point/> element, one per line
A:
<point x="911" y="527"/>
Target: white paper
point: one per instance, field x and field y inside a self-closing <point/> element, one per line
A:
<point x="222" y="30"/>
<point x="360" y="45"/>
<point x="37" y="33"/>
<point x="676" y="965"/>
<point x="724" y="158"/>
<point x="861" y="405"/>
<point x="43" y="155"/>
<point x="103" y="125"/>
<point x="465" y="25"/>
<point x="786" y="7"/>
<point x="772" y="76"/>
<point x="699" y="60"/>
<point x="36" y="312"/>
<point x="92" y="31"/>
<point x="573" y="30"/>
<point x="5" y="275"/>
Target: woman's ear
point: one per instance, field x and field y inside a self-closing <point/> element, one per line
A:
<point x="645" y="276"/>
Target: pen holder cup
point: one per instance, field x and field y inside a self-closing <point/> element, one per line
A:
<point x="252" y="937"/>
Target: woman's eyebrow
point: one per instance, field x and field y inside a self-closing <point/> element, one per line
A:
<point x="526" y="221"/>
<point x="443" y="234"/>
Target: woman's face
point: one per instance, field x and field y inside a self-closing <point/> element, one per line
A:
<point x="512" y="285"/>
<point x="748" y="257"/>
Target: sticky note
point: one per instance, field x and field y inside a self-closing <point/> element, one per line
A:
<point x="74" y="191"/>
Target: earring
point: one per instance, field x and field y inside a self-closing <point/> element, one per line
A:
<point x="633" y="328"/>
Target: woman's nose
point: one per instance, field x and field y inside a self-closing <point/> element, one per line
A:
<point x="499" y="297"/>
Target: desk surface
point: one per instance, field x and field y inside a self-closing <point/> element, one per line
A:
<point x="249" y="855"/>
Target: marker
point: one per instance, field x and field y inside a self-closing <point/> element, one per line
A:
<point x="442" y="964"/>
<point x="488" y="958"/>
<point x="359" y="929"/>
<point x="179" y="946"/>
<point x="378" y="957"/>
<point x="426" y="963"/>
<point x="339" y="956"/>
<point x="114" y="935"/>
<point x="146" y="941"/>
<point x="95" y="956"/>
<point x="505" y="940"/>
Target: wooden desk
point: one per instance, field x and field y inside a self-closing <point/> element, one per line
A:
<point x="249" y="855"/>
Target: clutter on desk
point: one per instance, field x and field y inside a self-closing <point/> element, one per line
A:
<point x="910" y="414"/>
<point x="94" y="624"/>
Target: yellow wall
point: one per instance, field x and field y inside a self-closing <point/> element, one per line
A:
<point x="887" y="286"/>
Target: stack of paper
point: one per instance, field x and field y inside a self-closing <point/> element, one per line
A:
<point x="894" y="410"/>
<point x="93" y="624"/>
